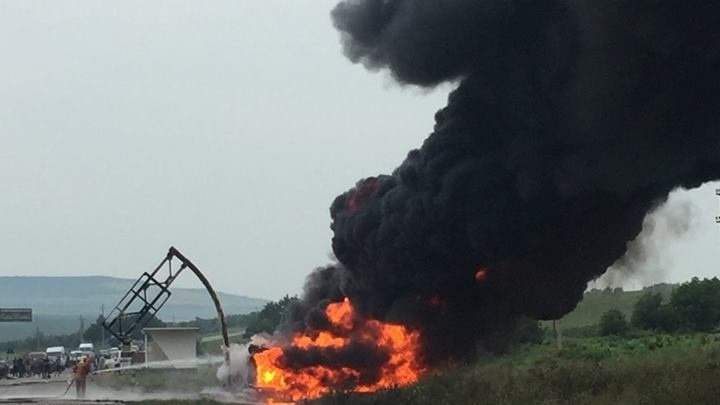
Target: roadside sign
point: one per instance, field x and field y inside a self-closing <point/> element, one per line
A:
<point x="15" y="315"/>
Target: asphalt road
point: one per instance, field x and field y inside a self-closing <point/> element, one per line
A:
<point x="39" y="391"/>
<point x="52" y="391"/>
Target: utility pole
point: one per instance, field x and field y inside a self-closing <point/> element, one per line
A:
<point x="102" y="314"/>
<point x="82" y="328"/>
<point x="558" y="333"/>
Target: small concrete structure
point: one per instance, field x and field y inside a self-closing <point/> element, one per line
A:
<point x="176" y="346"/>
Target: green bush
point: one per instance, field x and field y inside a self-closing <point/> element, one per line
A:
<point x="268" y="319"/>
<point x="613" y="322"/>
<point x="697" y="304"/>
<point x="646" y="311"/>
<point x="668" y="319"/>
<point x="528" y="330"/>
<point x="582" y="332"/>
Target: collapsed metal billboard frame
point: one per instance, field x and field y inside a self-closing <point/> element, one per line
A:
<point x="148" y="295"/>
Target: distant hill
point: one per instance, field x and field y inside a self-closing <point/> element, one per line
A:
<point x="58" y="303"/>
<point x="597" y="302"/>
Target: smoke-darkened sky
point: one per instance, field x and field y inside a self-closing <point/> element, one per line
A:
<point x="224" y="128"/>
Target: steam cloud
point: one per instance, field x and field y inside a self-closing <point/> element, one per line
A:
<point x="643" y="259"/>
<point x="571" y="120"/>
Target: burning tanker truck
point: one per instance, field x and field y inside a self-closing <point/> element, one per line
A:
<point x="570" y="121"/>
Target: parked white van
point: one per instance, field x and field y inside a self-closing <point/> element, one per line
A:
<point x="58" y="355"/>
<point x="87" y="347"/>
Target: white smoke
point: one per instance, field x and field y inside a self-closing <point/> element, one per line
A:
<point x="237" y="371"/>
<point x="646" y="260"/>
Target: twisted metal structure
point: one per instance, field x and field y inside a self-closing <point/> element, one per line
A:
<point x="148" y="295"/>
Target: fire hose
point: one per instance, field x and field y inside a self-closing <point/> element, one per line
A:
<point x="70" y="384"/>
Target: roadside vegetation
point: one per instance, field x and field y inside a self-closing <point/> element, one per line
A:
<point x="664" y="350"/>
<point x="161" y="380"/>
<point x="585" y="318"/>
<point x="662" y="369"/>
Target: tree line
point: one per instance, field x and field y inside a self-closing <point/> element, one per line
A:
<point x="693" y="306"/>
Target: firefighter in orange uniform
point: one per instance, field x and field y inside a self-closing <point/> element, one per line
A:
<point x="81" y="371"/>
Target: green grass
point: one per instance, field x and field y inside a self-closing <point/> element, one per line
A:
<point x="645" y="370"/>
<point x="154" y="380"/>
<point x="216" y="337"/>
<point x="587" y="314"/>
<point x="211" y="344"/>
<point x="214" y="346"/>
<point x="594" y="304"/>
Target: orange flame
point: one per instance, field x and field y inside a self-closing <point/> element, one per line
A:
<point x="401" y="345"/>
<point x="481" y="275"/>
<point x="436" y="302"/>
<point x="361" y="193"/>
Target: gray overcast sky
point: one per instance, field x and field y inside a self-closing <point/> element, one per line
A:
<point x="224" y="128"/>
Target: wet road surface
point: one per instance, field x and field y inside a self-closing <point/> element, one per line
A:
<point x="55" y="391"/>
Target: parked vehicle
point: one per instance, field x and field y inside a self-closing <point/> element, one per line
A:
<point x="87" y="347"/>
<point x="114" y="359"/>
<point x="36" y="362"/>
<point x="4" y="369"/>
<point x="58" y="356"/>
<point x="75" y="356"/>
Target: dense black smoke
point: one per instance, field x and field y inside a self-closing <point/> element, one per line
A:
<point x="570" y="121"/>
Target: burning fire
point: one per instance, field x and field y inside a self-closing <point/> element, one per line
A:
<point x="399" y="347"/>
<point x="481" y="275"/>
<point x="368" y="187"/>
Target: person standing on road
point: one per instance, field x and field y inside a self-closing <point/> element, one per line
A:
<point x="24" y="367"/>
<point x="81" y="371"/>
<point x="59" y="367"/>
<point x="45" y="367"/>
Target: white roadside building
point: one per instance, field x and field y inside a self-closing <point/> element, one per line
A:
<point x="172" y="347"/>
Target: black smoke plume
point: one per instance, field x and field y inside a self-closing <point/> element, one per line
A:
<point x="570" y="120"/>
